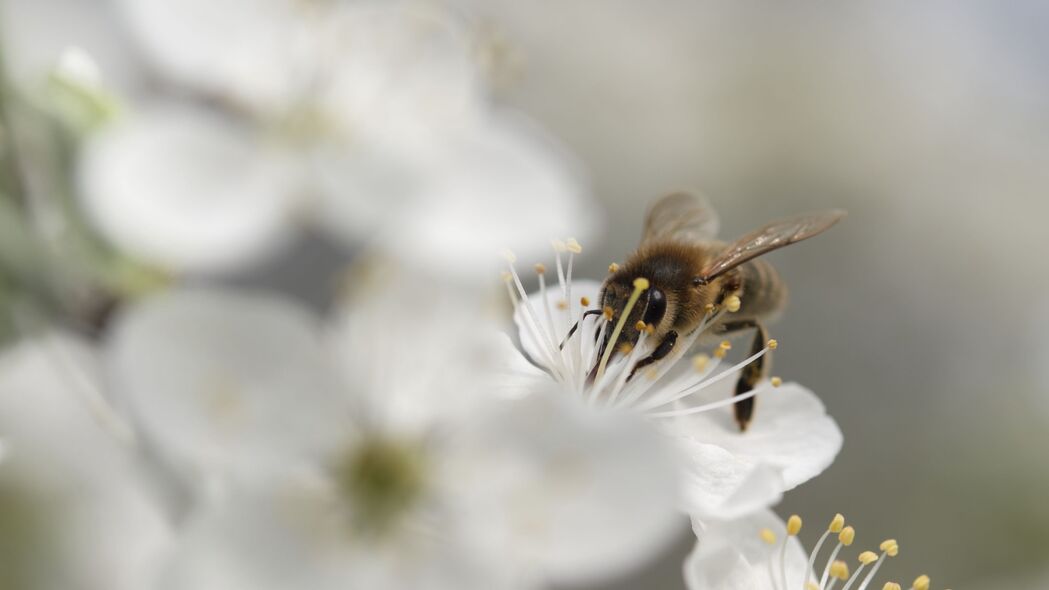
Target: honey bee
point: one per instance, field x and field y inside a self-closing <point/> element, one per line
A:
<point x="691" y="275"/>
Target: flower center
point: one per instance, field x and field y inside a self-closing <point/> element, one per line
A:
<point x="569" y="334"/>
<point x="835" y="570"/>
<point x="382" y="480"/>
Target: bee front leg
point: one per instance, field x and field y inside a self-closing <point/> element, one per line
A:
<point x="750" y="375"/>
<point x="661" y="351"/>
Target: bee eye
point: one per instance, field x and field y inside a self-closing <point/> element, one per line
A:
<point x="657" y="306"/>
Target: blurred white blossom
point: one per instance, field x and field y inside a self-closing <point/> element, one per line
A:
<point x="726" y="473"/>
<point x="369" y="119"/>
<point x="369" y="454"/>
<point x="74" y="510"/>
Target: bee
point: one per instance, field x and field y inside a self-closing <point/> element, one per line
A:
<point x="691" y="273"/>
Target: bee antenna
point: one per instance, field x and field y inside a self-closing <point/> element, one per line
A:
<point x="576" y="326"/>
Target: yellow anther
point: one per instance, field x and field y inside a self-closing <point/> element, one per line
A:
<point x="891" y="586"/>
<point x="626" y="348"/>
<point x="768" y="536"/>
<point x="890" y="547"/>
<point x="614" y="267"/>
<point x="639" y="326"/>
<point x="699" y="362"/>
<point x="584" y="301"/>
<point x="650" y="329"/>
<point x="651" y="374"/>
<point x="573" y="246"/>
<point x="507" y="277"/>
<point x="640" y="283"/>
<point x="921" y="583"/>
<point x="776" y="381"/>
<point x="847" y="536"/>
<point x="793" y="525"/>
<point x="559" y="246"/>
<point x="868" y="557"/>
<point x="837" y="523"/>
<point x="509" y="256"/>
<point x="725" y="345"/>
<point x="540" y="268"/>
<point x="562" y="305"/>
<point x="732" y="303"/>
<point x="709" y="308"/>
<point x="839" y="570"/>
<point x="812" y="586"/>
<point x="773" y="344"/>
<point x="608" y="312"/>
<point x="719" y="353"/>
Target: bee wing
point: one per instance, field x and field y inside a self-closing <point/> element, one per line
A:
<point x="682" y="217"/>
<point x="771" y="237"/>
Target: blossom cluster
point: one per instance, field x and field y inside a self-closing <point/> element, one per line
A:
<point x="170" y="419"/>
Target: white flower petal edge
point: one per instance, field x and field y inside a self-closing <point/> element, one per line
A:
<point x="74" y="483"/>
<point x="225" y="381"/>
<point x="731" y="555"/>
<point x="187" y="190"/>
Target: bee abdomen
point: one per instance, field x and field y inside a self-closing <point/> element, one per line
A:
<point x="764" y="293"/>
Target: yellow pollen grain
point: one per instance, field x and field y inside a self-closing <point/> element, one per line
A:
<point x="573" y="246"/>
<point x="699" y="362"/>
<point x="847" y="536"/>
<point x="839" y="570"/>
<point x="891" y="586"/>
<point x="584" y="301"/>
<point x="614" y="267"/>
<point x="773" y="344"/>
<point x="732" y="303"/>
<point x="838" y="522"/>
<point x="776" y="381"/>
<point x="540" y="268"/>
<point x="641" y="283"/>
<point x="793" y="525"/>
<point x="868" y="557"/>
<point x="921" y="583"/>
<point x="608" y="312"/>
<point x="650" y="329"/>
<point x="768" y="536"/>
<point x="725" y="345"/>
<point x="639" y="326"/>
<point x="719" y="353"/>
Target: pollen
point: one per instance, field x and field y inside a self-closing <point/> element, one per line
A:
<point x="614" y="267"/>
<point x="890" y="547"/>
<point x="573" y="246"/>
<point x="719" y="353"/>
<point x="641" y="283"/>
<point x="868" y="557"/>
<point x="699" y="362"/>
<point x="794" y="525"/>
<point x="584" y="301"/>
<point x="639" y="326"/>
<point x="608" y="312"/>
<point x="847" y="536"/>
<point x="776" y="381"/>
<point x="839" y="570"/>
<point x="732" y="303"/>
<point x="725" y="345"/>
<point x="768" y="536"/>
<point x="650" y="329"/>
<point x="540" y="268"/>
<point x="773" y="344"/>
<point x="921" y="583"/>
<point x="838" y="522"/>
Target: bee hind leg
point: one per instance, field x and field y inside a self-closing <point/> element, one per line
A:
<point x="751" y="374"/>
<point x="661" y="351"/>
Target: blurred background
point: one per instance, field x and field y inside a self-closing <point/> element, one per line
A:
<point x="921" y="320"/>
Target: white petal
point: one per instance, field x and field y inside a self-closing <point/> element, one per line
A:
<point x="187" y="189"/>
<point x="791" y="431"/>
<point x="226" y="381"/>
<point x="533" y="340"/>
<point x="249" y="50"/>
<point x="732" y="556"/>
<point x="515" y="377"/>
<point x="72" y="482"/>
<point x="575" y="495"/>
<point x="719" y="484"/>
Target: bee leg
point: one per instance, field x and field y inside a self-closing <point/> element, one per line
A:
<point x="661" y="351"/>
<point x="749" y="378"/>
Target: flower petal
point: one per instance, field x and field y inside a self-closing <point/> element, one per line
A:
<point x="534" y="340"/>
<point x="719" y="484"/>
<point x="187" y="189"/>
<point x="226" y="381"/>
<point x="730" y="555"/>
<point x="791" y="431"/>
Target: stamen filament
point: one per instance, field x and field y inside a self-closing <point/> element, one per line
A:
<point x="874" y="570"/>
<point x="703" y="385"/>
<point x="813" y="555"/>
<point x="555" y="362"/>
<point x="639" y="287"/>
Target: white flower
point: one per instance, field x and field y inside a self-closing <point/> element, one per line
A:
<point x="727" y="473"/>
<point x="761" y="552"/>
<point x="373" y="458"/>
<point x="368" y="119"/>
<point x="74" y="511"/>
